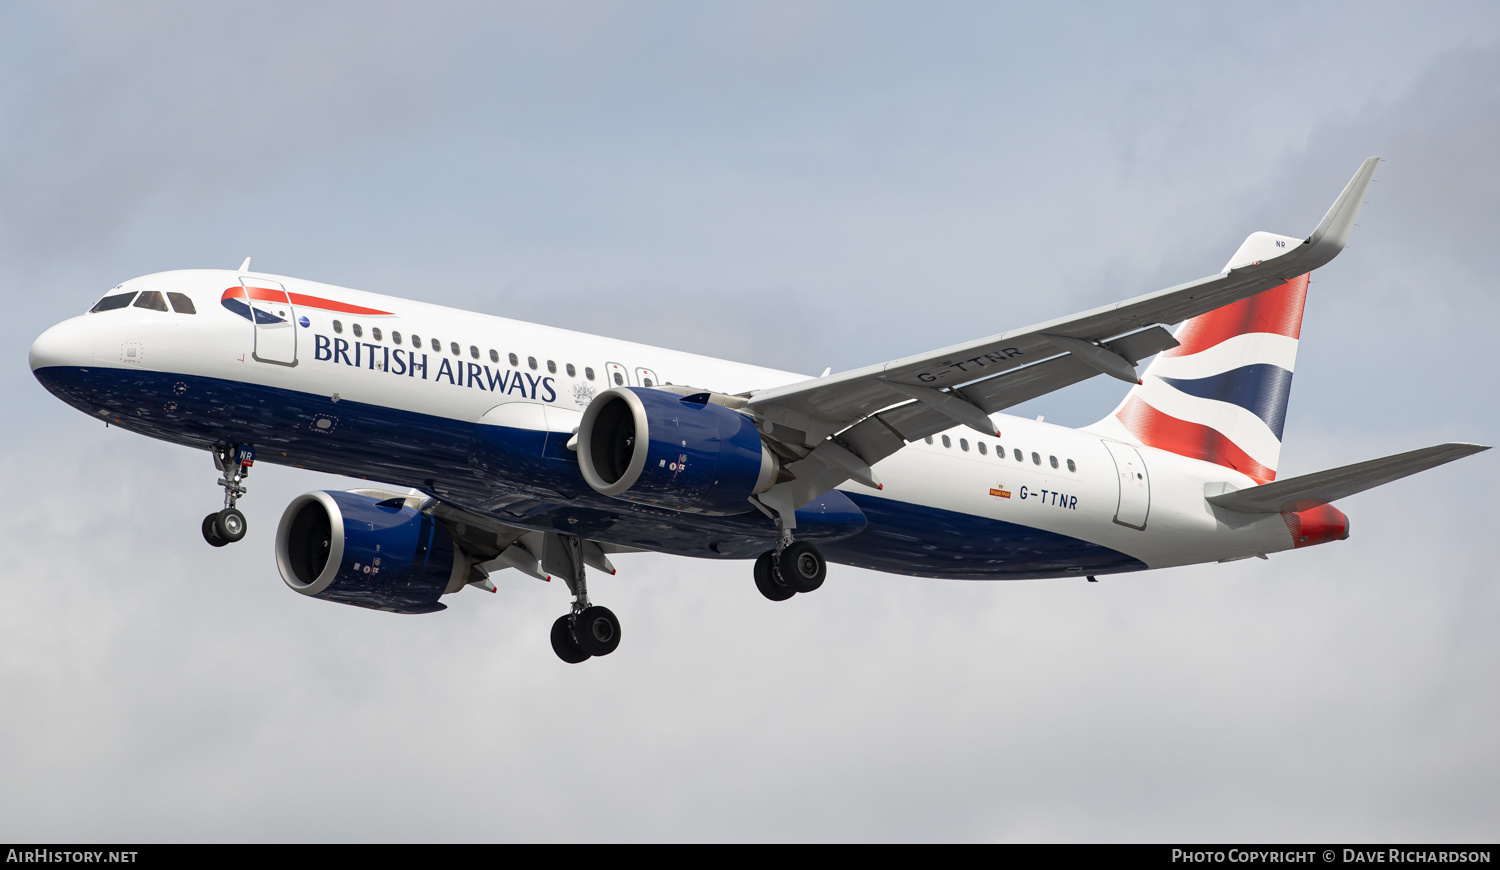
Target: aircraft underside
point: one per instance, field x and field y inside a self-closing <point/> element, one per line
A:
<point x="521" y="478"/>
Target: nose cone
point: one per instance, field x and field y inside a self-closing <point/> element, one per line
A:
<point x="70" y="343"/>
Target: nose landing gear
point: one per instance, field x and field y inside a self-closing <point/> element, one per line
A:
<point x="228" y="525"/>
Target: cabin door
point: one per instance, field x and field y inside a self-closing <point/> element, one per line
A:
<point x="275" y="322"/>
<point x="1135" y="485"/>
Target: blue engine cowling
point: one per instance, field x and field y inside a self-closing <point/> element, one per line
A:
<point x="355" y="549"/>
<point x="653" y="447"/>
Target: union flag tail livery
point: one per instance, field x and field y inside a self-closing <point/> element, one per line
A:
<point x="1221" y="394"/>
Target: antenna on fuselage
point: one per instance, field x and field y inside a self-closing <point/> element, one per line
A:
<point x="245" y="266"/>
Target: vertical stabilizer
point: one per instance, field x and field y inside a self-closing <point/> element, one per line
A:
<point x="1221" y="394"/>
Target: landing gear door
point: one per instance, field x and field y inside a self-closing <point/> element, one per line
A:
<point x="275" y="322"/>
<point x="1135" y="485"/>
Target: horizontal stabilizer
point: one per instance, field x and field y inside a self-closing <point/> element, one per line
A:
<point x="1321" y="487"/>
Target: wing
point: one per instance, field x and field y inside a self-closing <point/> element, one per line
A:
<point x="832" y="429"/>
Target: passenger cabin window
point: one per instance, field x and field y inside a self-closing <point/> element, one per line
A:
<point x="963" y="444"/>
<point x="395" y="336"/>
<point x="437" y="346"/>
<point x="151" y="299"/>
<point x="358" y="333"/>
<point x="1071" y="466"/>
<point x="588" y="372"/>
<point x="1036" y="459"/>
<point x="531" y="361"/>
<point x="572" y="372"/>
<point x="375" y="333"/>
<point x="619" y="379"/>
<point x="416" y="342"/>
<point x="453" y="346"/>
<point x="473" y="351"/>
<point x="947" y="442"/>
<point x="338" y="327"/>
<point x="181" y="303"/>
<point x="928" y="439"/>
<point x="647" y="382"/>
<point x="1018" y="455"/>
<point x="1053" y="460"/>
<point x="980" y="445"/>
<point x="112" y="303"/>
<point x="514" y="360"/>
<point x="551" y="367"/>
<point x="494" y="356"/>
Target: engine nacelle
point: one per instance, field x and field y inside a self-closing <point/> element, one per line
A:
<point x="354" y="549"/>
<point x="654" y="447"/>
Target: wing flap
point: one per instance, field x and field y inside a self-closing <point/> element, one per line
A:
<point x="1321" y="487"/>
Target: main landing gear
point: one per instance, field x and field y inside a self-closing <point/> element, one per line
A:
<point x="589" y="630"/>
<point x="228" y="525"/>
<point x="789" y="569"/>
<point x="794" y="566"/>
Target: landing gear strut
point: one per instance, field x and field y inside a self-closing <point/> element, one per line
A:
<point x="228" y="525"/>
<point x="589" y="630"/>
<point x="794" y="566"/>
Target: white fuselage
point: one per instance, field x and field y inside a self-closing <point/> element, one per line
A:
<point x="1066" y="481"/>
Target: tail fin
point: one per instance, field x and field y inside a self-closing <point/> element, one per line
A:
<point x="1221" y="394"/>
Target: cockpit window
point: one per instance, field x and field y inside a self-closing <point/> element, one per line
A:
<point x="181" y="303"/>
<point x="151" y="299"/>
<point x="110" y="303"/>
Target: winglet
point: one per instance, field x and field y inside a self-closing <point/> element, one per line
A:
<point x="1333" y="231"/>
<point x="245" y="266"/>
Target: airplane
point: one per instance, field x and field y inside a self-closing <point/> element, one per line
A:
<point x="505" y="445"/>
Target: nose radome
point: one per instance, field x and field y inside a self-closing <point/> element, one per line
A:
<point x="69" y="343"/>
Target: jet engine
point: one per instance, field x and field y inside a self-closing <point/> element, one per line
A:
<point x="361" y="550"/>
<point x="680" y="452"/>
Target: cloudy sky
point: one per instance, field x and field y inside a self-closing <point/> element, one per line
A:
<point x="798" y="185"/>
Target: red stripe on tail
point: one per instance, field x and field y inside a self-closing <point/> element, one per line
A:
<point x="1192" y="440"/>
<point x="1278" y="310"/>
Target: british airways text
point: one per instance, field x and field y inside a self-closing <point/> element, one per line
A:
<point x="399" y="361"/>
